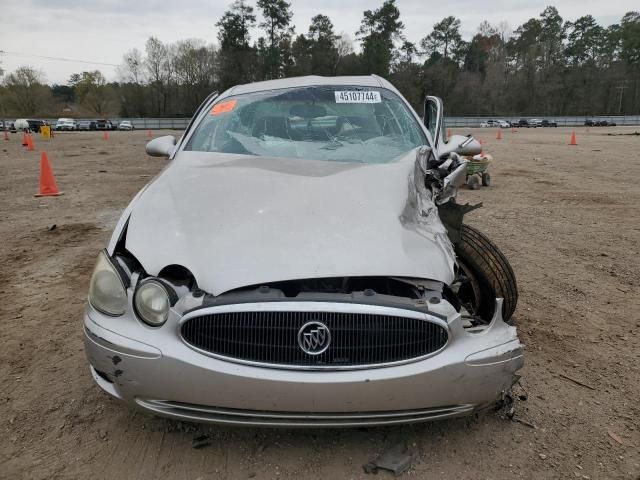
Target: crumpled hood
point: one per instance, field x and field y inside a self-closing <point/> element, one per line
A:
<point x="237" y="220"/>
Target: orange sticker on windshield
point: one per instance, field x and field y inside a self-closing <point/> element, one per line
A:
<point x="223" y="107"/>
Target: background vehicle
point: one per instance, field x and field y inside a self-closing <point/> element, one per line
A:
<point x="66" y="124"/>
<point x="490" y="123"/>
<point x="535" y="122"/>
<point x="549" y="123"/>
<point x="589" y="122"/>
<point x="34" y="125"/>
<point x="87" y="125"/>
<point x="522" y="123"/>
<point x="28" y="124"/>
<point x="21" y="124"/>
<point x="503" y="124"/>
<point x="126" y="125"/>
<point x="103" y="124"/>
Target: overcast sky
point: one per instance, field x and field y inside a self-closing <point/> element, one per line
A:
<point x="102" y="30"/>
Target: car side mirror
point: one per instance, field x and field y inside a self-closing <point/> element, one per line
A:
<point x="461" y="145"/>
<point x="161" y="146"/>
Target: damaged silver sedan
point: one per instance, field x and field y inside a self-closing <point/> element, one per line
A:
<point x="302" y="261"/>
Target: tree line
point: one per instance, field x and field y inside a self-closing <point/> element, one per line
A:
<point x="546" y="66"/>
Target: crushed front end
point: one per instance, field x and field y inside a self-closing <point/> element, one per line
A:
<point x="318" y="352"/>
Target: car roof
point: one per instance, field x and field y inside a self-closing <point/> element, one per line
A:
<point x="310" y="81"/>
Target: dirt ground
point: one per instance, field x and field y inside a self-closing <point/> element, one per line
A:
<point x="567" y="217"/>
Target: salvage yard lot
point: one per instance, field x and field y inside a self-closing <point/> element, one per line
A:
<point x="567" y="217"/>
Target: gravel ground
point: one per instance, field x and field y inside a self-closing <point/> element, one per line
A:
<point x="566" y="217"/>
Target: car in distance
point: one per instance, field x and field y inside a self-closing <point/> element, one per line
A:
<point x="495" y="123"/>
<point x="489" y="124"/>
<point x="126" y="125"/>
<point x="8" y="125"/>
<point x="301" y="261"/>
<point x="102" y="124"/>
<point x="86" y="125"/>
<point x="36" y="125"/>
<point x="66" y="124"/>
<point x="21" y="124"/>
<point x="589" y="122"/>
<point x="549" y="123"/>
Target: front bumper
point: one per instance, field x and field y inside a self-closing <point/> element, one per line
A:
<point x="171" y="379"/>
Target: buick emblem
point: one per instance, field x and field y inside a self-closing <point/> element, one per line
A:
<point x="314" y="338"/>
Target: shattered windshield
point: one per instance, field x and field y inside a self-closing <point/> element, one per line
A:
<point x="336" y="123"/>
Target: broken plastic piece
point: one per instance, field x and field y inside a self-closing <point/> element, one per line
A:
<point x="397" y="459"/>
<point x="201" y="441"/>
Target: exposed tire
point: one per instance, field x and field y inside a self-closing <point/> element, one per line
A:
<point x="489" y="273"/>
<point x="486" y="179"/>
<point x="473" y="182"/>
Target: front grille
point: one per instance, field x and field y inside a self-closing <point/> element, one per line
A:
<point x="271" y="338"/>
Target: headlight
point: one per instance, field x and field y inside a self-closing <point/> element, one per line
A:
<point x="152" y="302"/>
<point x="106" y="290"/>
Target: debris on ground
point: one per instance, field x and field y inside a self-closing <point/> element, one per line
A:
<point x="201" y="441"/>
<point x="577" y="382"/>
<point x="508" y="406"/>
<point x="396" y="459"/>
<point x="52" y="227"/>
<point x="615" y="437"/>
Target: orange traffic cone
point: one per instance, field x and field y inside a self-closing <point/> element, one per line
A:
<point x="30" y="146"/>
<point x="499" y="135"/>
<point x="481" y="147"/>
<point x="149" y="134"/>
<point x="24" y="139"/>
<point x="6" y="135"/>
<point x="513" y="130"/>
<point x="105" y="135"/>
<point x="573" y="139"/>
<point x="448" y="133"/>
<point x="48" y="187"/>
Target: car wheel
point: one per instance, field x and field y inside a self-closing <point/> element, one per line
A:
<point x="473" y="182"/>
<point x="486" y="179"/>
<point x="489" y="275"/>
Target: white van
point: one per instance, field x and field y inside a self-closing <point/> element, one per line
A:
<point x="21" y="124"/>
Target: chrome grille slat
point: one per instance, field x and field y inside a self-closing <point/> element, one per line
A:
<point x="270" y="338"/>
